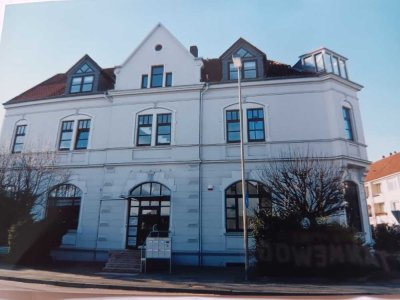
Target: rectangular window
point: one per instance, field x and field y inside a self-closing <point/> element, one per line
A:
<point x="66" y="135"/>
<point x="81" y="84"/>
<point x="19" y="139"/>
<point x="379" y="209"/>
<point x="249" y="70"/>
<point x="144" y="130"/>
<point x="255" y="124"/>
<point x="157" y="76"/>
<point x="82" y="134"/>
<point x="145" y="79"/>
<point x="347" y="124"/>
<point x="163" y="129"/>
<point x="233" y="72"/>
<point x="168" y="79"/>
<point x="376" y="189"/>
<point x="232" y="126"/>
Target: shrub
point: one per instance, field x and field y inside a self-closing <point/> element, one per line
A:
<point x="387" y="237"/>
<point x="31" y="242"/>
<point x="283" y="246"/>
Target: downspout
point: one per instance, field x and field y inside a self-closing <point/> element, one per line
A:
<point x="202" y="92"/>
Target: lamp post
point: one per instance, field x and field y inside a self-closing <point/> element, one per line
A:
<point x="237" y="62"/>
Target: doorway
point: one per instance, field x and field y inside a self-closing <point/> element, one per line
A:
<point x="149" y="210"/>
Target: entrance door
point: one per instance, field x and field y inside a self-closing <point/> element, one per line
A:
<point x="147" y="212"/>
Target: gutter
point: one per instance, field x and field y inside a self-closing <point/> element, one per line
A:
<point x="202" y="92"/>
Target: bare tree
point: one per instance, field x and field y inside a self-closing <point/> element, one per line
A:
<point x="304" y="186"/>
<point x="25" y="180"/>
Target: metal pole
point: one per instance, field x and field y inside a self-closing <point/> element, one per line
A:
<point x="244" y="191"/>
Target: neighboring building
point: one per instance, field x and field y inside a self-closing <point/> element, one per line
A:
<point x="155" y="141"/>
<point x="382" y="188"/>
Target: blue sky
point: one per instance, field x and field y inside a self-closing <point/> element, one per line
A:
<point x="41" y="39"/>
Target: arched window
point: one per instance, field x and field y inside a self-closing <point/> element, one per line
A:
<point x="258" y="196"/>
<point x="353" y="207"/>
<point x="65" y="201"/>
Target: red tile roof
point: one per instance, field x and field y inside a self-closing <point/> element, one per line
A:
<point x="384" y="167"/>
<point x="55" y="87"/>
<point x="212" y="70"/>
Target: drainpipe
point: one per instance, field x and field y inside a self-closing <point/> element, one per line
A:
<point x="202" y="92"/>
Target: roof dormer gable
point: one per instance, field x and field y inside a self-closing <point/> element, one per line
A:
<point x="252" y="61"/>
<point x="159" y="61"/>
<point x="83" y="77"/>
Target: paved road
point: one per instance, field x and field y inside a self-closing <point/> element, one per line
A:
<point x="10" y="290"/>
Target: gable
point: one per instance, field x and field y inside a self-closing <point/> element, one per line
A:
<point x="159" y="48"/>
<point x="248" y="53"/>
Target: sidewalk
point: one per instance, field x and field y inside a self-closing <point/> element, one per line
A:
<point x="219" y="281"/>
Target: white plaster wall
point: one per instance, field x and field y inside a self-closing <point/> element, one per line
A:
<point x="173" y="56"/>
<point x="387" y="196"/>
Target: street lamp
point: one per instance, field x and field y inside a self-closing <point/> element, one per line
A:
<point x="237" y="62"/>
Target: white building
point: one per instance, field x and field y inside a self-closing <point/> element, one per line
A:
<point x="163" y="127"/>
<point x="382" y="187"/>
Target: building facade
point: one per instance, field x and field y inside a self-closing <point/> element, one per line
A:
<point x="382" y="188"/>
<point x="155" y="141"/>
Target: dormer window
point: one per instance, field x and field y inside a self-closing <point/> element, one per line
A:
<point x="82" y="81"/>
<point x="249" y="70"/>
<point x="324" y="60"/>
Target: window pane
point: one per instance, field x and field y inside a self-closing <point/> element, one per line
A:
<point x="328" y="63"/>
<point x="342" y="68"/>
<point x="134" y="211"/>
<point x="168" y="79"/>
<point x="144" y="81"/>
<point x="144" y="140"/>
<point x="146" y="189"/>
<point x="17" y="148"/>
<point x="87" y="87"/>
<point x="133" y="221"/>
<point x="75" y="89"/>
<point x="231" y="224"/>
<point x="320" y="63"/>
<point x="231" y="213"/>
<point x="250" y="70"/>
<point x="230" y="203"/>
<point x="165" y="211"/>
<point x="88" y="79"/>
<point x="233" y="136"/>
<point x="233" y="72"/>
<point x="335" y="62"/>
<point x="157" y="76"/>
<point x="309" y="63"/>
<point x="143" y="131"/>
<point x="65" y="145"/>
<point x="76" y="80"/>
<point x="163" y="139"/>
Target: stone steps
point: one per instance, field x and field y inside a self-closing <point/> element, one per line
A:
<point x="123" y="261"/>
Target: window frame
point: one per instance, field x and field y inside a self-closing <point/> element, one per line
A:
<point x="244" y="69"/>
<point x="168" y="79"/>
<point x="227" y="121"/>
<point x="81" y="84"/>
<point x="149" y="124"/>
<point x="238" y="198"/>
<point x="75" y="201"/>
<point x="348" y="124"/>
<point x="168" y="123"/>
<point x="255" y="120"/>
<point x="80" y="131"/>
<point x="64" y="131"/>
<point x="17" y="134"/>
<point x="153" y="68"/>
<point x="145" y="81"/>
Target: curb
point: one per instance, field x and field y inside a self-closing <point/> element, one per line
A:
<point x="187" y="290"/>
